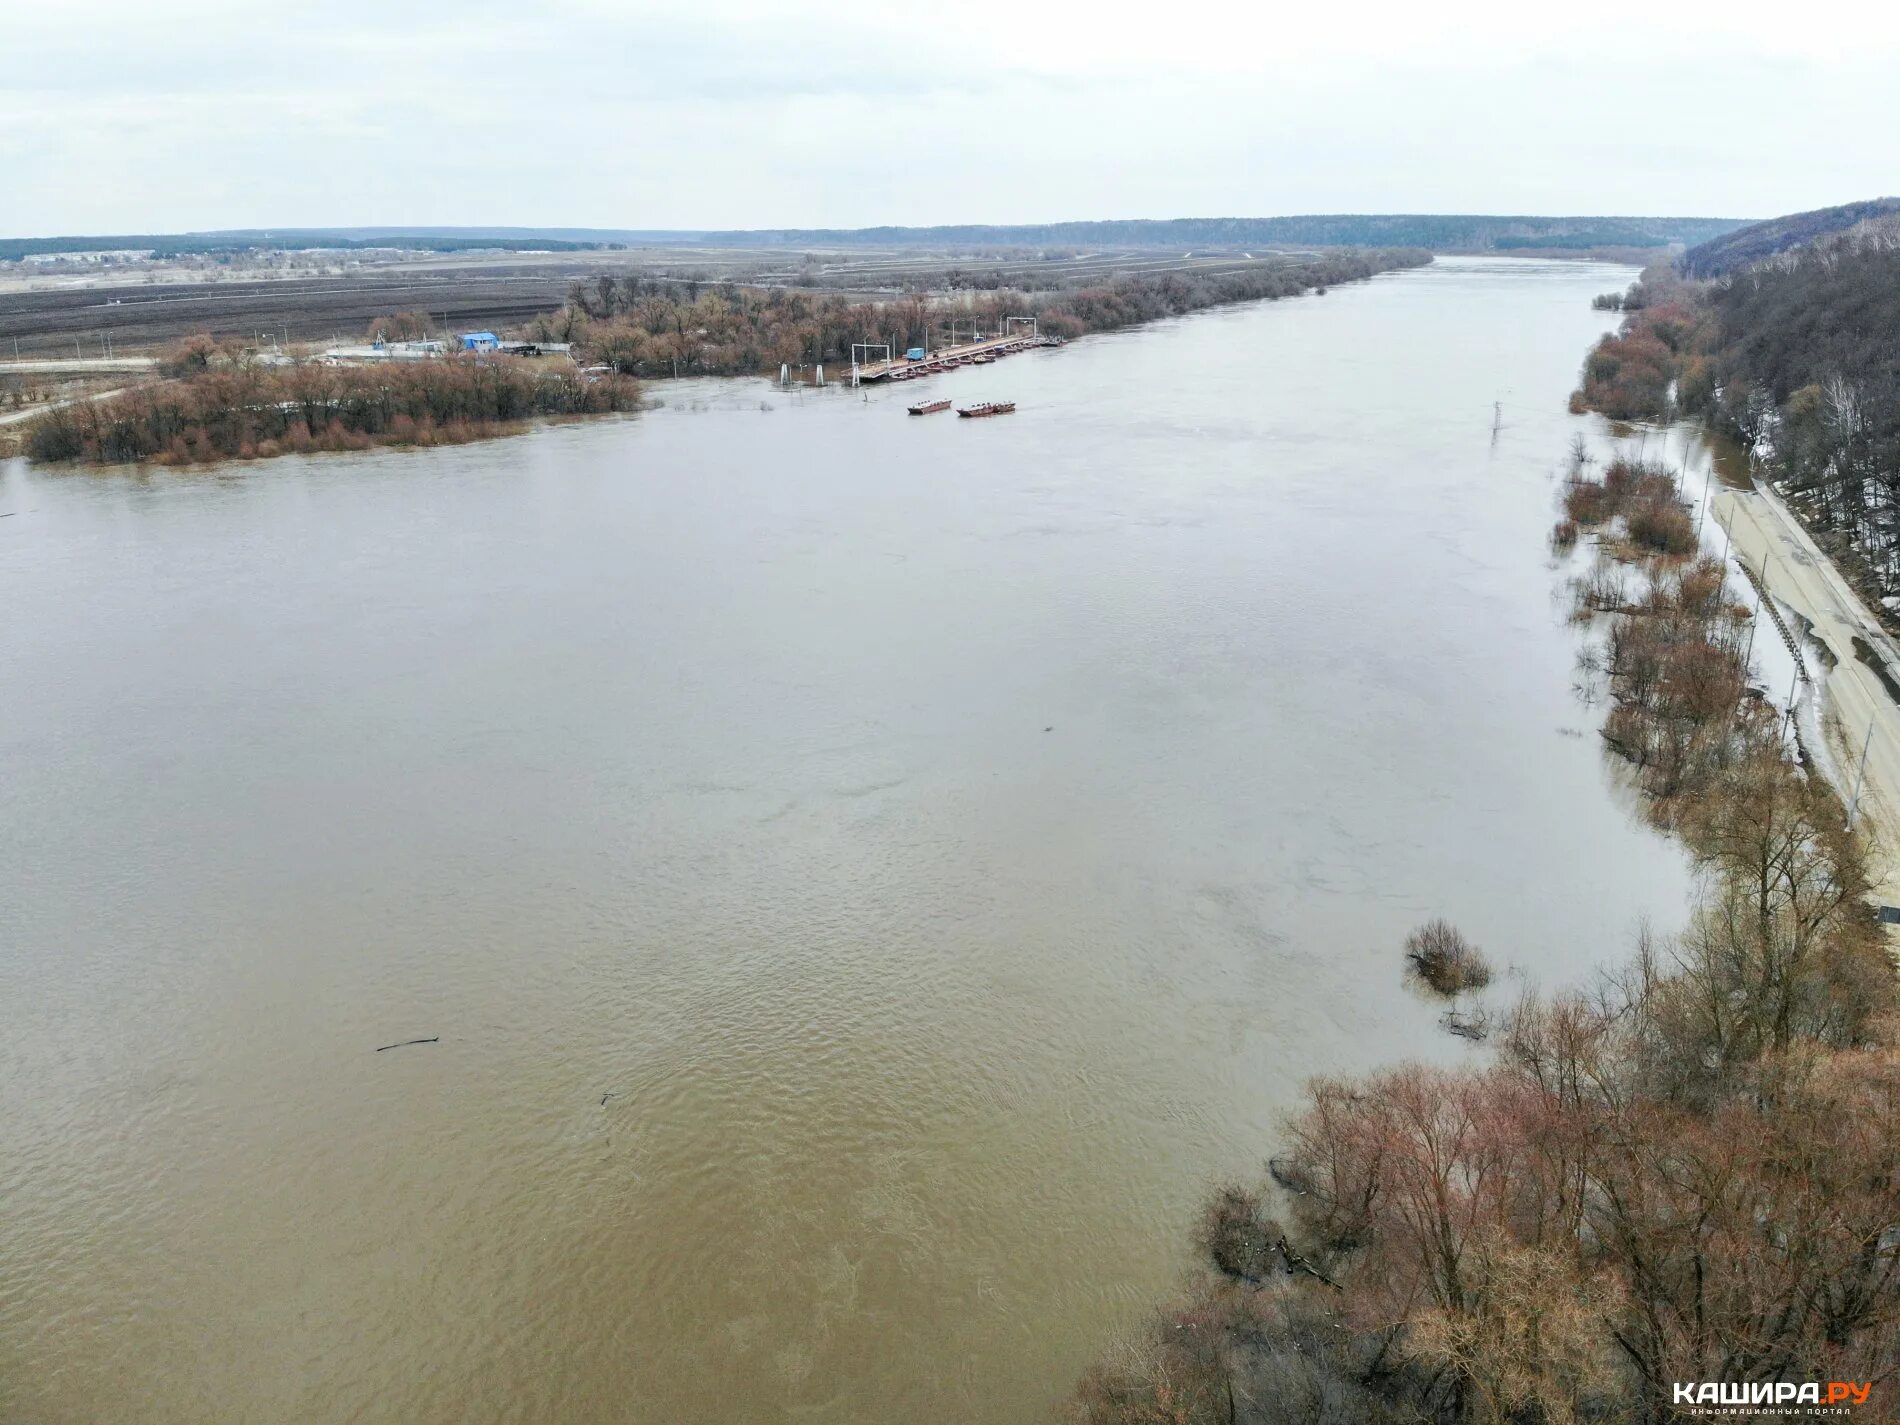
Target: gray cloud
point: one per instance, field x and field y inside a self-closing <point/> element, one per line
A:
<point x="204" y="113"/>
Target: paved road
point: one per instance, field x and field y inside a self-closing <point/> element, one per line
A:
<point x="1805" y="580"/>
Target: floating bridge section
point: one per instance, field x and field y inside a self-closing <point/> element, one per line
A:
<point x="950" y="357"/>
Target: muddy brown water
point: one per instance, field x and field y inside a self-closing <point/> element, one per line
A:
<point x="859" y="878"/>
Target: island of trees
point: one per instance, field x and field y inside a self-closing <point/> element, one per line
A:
<point x="219" y="407"/>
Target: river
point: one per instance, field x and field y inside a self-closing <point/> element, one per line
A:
<point x="859" y="876"/>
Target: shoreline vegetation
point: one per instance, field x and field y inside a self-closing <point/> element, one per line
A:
<point x="1792" y="357"/>
<point x="654" y="328"/>
<point x="235" y="411"/>
<point x="1689" y="1172"/>
<point x="216" y="403"/>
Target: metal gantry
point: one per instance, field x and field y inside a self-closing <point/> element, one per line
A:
<point x="867" y="346"/>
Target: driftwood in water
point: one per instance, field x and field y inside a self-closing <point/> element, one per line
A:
<point x="1246" y="1244"/>
<point x="1290" y="1175"/>
<point x="407" y="1042"/>
<point x="1474" y="1025"/>
<point x="1296" y="1263"/>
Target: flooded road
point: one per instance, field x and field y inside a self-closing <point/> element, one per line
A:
<point x="861" y="874"/>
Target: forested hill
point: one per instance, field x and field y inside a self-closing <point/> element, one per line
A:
<point x="1798" y="358"/>
<point x="1732" y="251"/>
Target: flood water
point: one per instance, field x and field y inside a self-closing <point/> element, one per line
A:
<point x="861" y="876"/>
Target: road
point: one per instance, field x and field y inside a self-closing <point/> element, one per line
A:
<point x="1803" y="579"/>
<point x="71" y="365"/>
<point x="27" y="413"/>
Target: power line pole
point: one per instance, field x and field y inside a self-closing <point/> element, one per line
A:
<point x="1753" y="624"/>
<point x="1853" y="804"/>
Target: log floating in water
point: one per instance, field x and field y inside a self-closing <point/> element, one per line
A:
<point x="407" y="1042"/>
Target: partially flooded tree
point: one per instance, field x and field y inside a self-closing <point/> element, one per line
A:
<point x="1441" y="956"/>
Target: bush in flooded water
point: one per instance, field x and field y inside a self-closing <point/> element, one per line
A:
<point x="1662" y="525"/>
<point x="1441" y="956"/>
<point x="1230" y="1354"/>
<point x="1644" y="500"/>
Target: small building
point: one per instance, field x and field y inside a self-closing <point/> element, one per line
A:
<point x="386" y="351"/>
<point x="480" y="341"/>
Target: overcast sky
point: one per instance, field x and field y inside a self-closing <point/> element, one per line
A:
<point x="164" y="115"/>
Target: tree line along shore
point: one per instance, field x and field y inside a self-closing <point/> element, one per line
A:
<point x="215" y="402"/>
<point x="1689" y="1172"/>
<point x="1794" y="356"/>
<point x="1678" y="1188"/>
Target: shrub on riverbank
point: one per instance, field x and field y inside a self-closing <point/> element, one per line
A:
<point x="1629" y="374"/>
<point x="234" y="412"/>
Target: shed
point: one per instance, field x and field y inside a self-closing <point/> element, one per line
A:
<point x="480" y="341"/>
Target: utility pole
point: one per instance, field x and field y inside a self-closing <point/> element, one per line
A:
<point x="1753" y="624"/>
<point x="1853" y="804"/>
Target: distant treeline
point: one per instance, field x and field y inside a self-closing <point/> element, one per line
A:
<point x="208" y="244"/>
<point x="223" y="411"/>
<point x="1438" y="231"/>
<point x="1797" y="358"/>
<point x="648" y="328"/>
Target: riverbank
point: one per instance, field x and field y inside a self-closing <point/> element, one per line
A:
<point x="1857" y="677"/>
<point x="1673" y="1177"/>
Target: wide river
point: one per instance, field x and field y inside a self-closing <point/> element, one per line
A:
<point x="859" y="877"/>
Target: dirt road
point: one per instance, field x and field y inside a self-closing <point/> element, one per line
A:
<point x="26" y="413"/>
<point x="1855" y="698"/>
